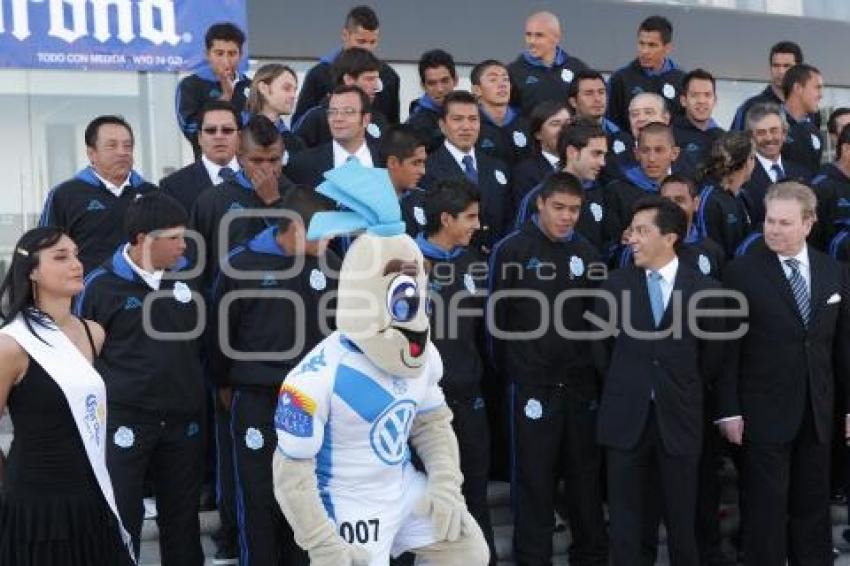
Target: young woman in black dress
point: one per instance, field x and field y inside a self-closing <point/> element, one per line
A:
<point x="54" y="506"/>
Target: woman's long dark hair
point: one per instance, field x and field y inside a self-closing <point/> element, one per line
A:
<point x="16" y="291"/>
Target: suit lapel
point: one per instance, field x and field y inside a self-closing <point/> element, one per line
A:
<point x="641" y="308"/>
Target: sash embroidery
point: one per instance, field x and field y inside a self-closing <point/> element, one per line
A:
<point x="86" y="395"/>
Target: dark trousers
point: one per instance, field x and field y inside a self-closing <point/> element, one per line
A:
<point x="170" y="452"/>
<point x="553" y="434"/>
<point x="473" y="437"/>
<point x="225" y="490"/>
<point x="265" y="538"/>
<point x="787" y="511"/>
<point x="634" y="478"/>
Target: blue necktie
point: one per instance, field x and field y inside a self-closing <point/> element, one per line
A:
<point x="778" y="172"/>
<point x="799" y="289"/>
<point x="226" y="174"/>
<point x="656" y="299"/>
<point x="469" y="169"/>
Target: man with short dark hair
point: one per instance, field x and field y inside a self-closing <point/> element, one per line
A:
<point x="802" y="87"/>
<point x="148" y="304"/>
<point x="544" y="70"/>
<point x="589" y="98"/>
<point x="353" y="66"/>
<point x="457" y="280"/>
<point x="656" y="152"/>
<point x="652" y="71"/>
<point x="349" y="114"/>
<point x="553" y="388"/>
<point x="696" y="130"/>
<point x="361" y="29"/>
<point x="438" y="77"/>
<point x="219" y="78"/>
<point x="218" y="138"/>
<point x="269" y="326"/>
<point x="651" y="413"/>
<point x="582" y="149"/>
<point x="776" y="395"/>
<point x="458" y="157"/>
<point x="90" y="207"/>
<point x="258" y="186"/>
<point x="403" y="153"/>
<point x="838" y="118"/>
<point x="504" y="133"/>
<point x="783" y="56"/>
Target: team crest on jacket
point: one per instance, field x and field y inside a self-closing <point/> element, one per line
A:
<point x="619" y="147"/>
<point x="576" y="266"/>
<point x="469" y="282"/>
<point x="567" y="75"/>
<point x="500" y="177"/>
<point x="373" y="130"/>
<point x="419" y="215"/>
<point x="704" y="264"/>
<point x="182" y="292"/>
<point x="668" y="91"/>
<point x="596" y="211"/>
<point x="815" y="142"/>
<point x="519" y="139"/>
<point x="254" y="438"/>
<point x="123" y="437"/>
<point x="318" y="281"/>
<point x="533" y="409"/>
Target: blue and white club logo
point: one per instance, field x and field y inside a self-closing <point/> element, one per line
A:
<point x="391" y="430"/>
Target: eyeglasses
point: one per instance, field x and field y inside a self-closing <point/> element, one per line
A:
<point x="346" y="112"/>
<point x="213" y="130"/>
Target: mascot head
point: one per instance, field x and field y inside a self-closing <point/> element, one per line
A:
<point x="382" y="298"/>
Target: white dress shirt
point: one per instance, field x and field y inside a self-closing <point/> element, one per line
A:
<point x="213" y="169"/>
<point x="803" y="266"/>
<point x="458" y="155"/>
<point x="153" y="279"/>
<point x="767" y="165"/>
<point x="668" y="276"/>
<point x="111" y="187"/>
<point x="362" y="154"/>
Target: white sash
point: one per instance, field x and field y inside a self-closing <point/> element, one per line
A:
<point x="86" y="394"/>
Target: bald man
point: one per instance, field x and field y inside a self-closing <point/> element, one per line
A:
<point x="543" y="71"/>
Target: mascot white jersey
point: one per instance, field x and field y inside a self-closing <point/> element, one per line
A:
<point x="348" y="414"/>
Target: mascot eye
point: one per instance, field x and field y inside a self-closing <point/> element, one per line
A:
<point x="403" y="298"/>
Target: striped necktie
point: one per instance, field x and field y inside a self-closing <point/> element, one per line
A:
<point x="799" y="289"/>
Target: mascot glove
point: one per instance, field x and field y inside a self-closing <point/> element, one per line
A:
<point x="297" y="493"/>
<point x="434" y="441"/>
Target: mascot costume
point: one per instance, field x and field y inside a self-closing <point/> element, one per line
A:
<point x="348" y="414"/>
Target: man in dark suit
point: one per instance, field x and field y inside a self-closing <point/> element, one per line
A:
<point x="457" y="157"/>
<point x="769" y="129"/>
<point x="218" y="138"/>
<point x="361" y="29"/>
<point x="348" y="116"/>
<point x="651" y="413"/>
<point x="776" y="393"/>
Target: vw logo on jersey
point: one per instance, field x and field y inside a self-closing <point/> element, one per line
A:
<point x="668" y="91"/>
<point x="390" y="432"/>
